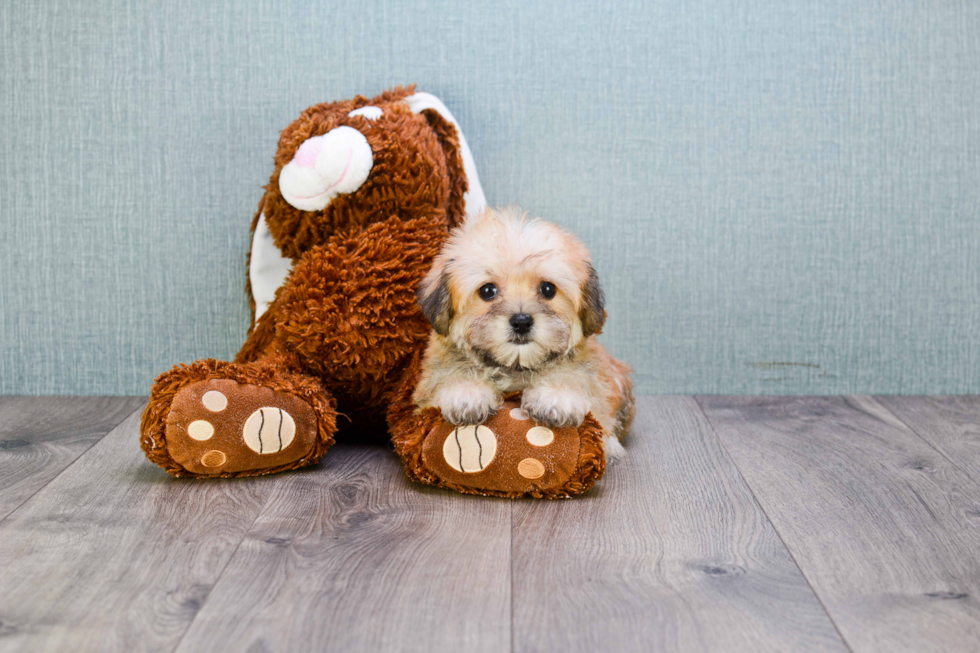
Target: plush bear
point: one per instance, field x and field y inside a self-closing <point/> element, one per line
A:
<point x="363" y="194"/>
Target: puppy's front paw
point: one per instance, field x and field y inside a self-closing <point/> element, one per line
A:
<point x="556" y="407"/>
<point x="467" y="403"/>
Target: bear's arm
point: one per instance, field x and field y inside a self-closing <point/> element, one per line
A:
<point x="349" y="311"/>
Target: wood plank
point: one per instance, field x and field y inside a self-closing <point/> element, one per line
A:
<point x="670" y="552"/>
<point x="884" y="527"/>
<point x="41" y="436"/>
<point x="114" y="555"/>
<point x="357" y="558"/>
<point x="950" y="424"/>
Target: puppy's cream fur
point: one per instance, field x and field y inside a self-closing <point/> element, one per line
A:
<point x="475" y="357"/>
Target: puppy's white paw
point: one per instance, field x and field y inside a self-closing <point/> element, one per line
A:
<point x="556" y="407"/>
<point x="467" y="403"/>
<point x="613" y="449"/>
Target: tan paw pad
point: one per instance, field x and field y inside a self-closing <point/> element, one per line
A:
<point x="540" y="436"/>
<point x="530" y="468"/>
<point x="269" y="430"/>
<point x="200" y="430"/>
<point x="214" y="458"/>
<point x="214" y="401"/>
<point x="470" y="449"/>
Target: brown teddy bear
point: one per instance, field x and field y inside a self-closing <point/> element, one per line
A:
<point x="362" y="197"/>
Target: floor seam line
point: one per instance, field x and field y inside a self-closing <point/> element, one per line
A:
<point x="512" y="577"/>
<point x="221" y="574"/>
<point x="769" y="519"/>
<point x="916" y="433"/>
<point x="69" y="465"/>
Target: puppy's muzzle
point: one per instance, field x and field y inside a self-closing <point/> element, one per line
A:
<point x="521" y="324"/>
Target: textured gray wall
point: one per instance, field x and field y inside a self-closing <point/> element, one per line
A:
<point x="782" y="196"/>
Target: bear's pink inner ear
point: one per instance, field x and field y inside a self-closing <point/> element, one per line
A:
<point x="308" y="151"/>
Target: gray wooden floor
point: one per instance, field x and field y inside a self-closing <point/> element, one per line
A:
<point x="735" y="524"/>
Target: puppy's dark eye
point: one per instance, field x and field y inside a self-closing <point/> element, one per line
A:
<point x="488" y="291"/>
<point x="547" y="289"/>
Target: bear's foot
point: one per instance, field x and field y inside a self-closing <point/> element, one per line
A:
<point x="509" y="455"/>
<point x="228" y="426"/>
<point x="220" y="426"/>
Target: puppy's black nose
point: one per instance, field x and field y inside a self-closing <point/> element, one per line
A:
<point x="521" y="323"/>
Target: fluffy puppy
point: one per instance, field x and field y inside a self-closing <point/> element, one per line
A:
<point x="515" y="305"/>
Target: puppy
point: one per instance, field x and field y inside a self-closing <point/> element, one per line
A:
<point x="515" y="305"/>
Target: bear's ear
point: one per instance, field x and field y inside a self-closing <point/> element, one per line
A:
<point x="435" y="299"/>
<point x="446" y="133"/>
<point x="593" y="312"/>
<point x="466" y="193"/>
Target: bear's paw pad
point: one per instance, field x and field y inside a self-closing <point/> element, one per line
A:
<point x="220" y="426"/>
<point x="508" y="453"/>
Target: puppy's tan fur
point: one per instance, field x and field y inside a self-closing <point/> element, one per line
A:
<point x="472" y="359"/>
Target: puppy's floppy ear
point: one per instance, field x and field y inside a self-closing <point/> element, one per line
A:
<point x="434" y="298"/>
<point x="593" y="313"/>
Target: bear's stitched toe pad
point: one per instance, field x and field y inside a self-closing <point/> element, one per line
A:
<point x="219" y="426"/>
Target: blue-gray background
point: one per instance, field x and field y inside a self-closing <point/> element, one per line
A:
<point x="781" y="196"/>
